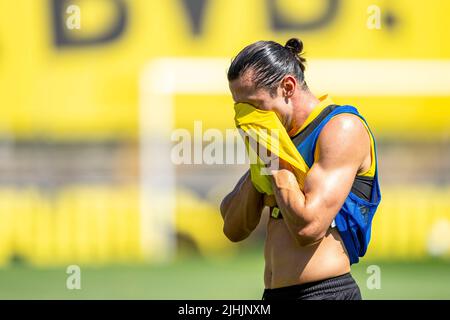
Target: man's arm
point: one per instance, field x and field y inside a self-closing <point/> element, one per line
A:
<point x="241" y="209"/>
<point x="343" y="146"/>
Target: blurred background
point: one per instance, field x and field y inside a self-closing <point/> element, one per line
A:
<point x="91" y="92"/>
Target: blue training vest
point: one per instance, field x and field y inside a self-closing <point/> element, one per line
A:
<point x="354" y="219"/>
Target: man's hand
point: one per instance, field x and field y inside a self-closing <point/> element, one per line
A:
<point x="284" y="179"/>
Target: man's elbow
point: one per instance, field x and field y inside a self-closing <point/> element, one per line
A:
<point x="228" y="230"/>
<point x="224" y="207"/>
<point x="234" y="235"/>
<point x="311" y="233"/>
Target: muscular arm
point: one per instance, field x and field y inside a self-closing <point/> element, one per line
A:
<point x="343" y="146"/>
<point x="241" y="209"/>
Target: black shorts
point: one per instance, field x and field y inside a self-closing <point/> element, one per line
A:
<point x="338" y="288"/>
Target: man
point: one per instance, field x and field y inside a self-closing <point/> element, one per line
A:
<point x="322" y="229"/>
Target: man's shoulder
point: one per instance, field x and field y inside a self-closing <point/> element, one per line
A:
<point x="344" y="123"/>
<point x="344" y="135"/>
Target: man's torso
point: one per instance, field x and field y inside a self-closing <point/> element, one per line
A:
<point x="287" y="263"/>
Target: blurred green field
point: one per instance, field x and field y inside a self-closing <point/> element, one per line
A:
<point x="237" y="277"/>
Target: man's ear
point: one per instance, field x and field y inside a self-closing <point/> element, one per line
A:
<point x="288" y="85"/>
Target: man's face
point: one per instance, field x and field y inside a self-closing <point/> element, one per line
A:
<point x="243" y="91"/>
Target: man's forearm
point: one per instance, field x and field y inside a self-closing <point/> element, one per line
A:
<point x="290" y="200"/>
<point x="241" y="209"/>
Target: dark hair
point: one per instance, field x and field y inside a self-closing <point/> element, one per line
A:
<point x="270" y="62"/>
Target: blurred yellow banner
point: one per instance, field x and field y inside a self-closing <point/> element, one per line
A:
<point x="101" y="225"/>
<point x="71" y="69"/>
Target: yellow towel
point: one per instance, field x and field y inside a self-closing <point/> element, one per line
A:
<point x="271" y="135"/>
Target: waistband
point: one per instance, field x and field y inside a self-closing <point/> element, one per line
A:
<point x="331" y="285"/>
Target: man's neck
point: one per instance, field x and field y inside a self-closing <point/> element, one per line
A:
<point x="306" y="103"/>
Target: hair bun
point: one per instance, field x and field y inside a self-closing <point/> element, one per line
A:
<point x="295" y="45"/>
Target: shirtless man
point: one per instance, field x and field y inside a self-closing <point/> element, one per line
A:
<point x="305" y="256"/>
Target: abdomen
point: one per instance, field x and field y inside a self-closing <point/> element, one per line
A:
<point x="288" y="263"/>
